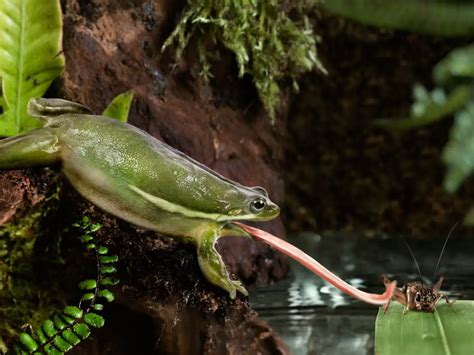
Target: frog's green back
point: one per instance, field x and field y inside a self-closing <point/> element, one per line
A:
<point x="124" y="153"/>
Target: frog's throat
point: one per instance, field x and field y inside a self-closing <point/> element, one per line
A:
<point x="175" y="208"/>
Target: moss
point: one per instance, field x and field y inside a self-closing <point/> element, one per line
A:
<point x="273" y="41"/>
<point x="23" y="298"/>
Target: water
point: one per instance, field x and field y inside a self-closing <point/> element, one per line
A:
<point x="313" y="317"/>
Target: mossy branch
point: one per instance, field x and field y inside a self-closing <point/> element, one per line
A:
<point x="268" y="44"/>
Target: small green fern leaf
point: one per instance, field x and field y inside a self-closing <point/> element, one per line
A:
<point x="65" y="330"/>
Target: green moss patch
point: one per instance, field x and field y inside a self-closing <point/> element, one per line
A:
<point x="272" y="40"/>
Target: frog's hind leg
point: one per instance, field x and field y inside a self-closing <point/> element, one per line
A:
<point x="212" y="265"/>
<point x="39" y="147"/>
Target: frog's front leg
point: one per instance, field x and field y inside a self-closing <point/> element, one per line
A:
<point x="39" y="147"/>
<point x="212" y="265"/>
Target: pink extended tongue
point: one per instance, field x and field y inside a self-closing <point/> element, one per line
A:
<point x="311" y="264"/>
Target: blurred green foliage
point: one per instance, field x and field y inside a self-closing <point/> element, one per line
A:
<point x="453" y="94"/>
<point x="272" y="40"/>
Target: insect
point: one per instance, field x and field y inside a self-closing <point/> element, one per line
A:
<point x="417" y="295"/>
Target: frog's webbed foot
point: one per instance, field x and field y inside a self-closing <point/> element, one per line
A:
<point x="212" y="265"/>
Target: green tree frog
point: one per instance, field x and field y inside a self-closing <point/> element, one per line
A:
<point x="134" y="176"/>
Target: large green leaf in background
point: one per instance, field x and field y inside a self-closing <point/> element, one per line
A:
<point x="30" y="57"/>
<point x="449" y="330"/>
<point x="453" y="94"/>
<point x="438" y="17"/>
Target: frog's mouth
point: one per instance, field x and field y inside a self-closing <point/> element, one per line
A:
<point x="271" y="212"/>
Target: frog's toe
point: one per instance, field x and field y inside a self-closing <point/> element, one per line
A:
<point x="213" y="267"/>
<point x="240" y="287"/>
<point x="232" y="286"/>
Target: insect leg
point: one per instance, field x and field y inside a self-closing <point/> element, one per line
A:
<point x="438" y="284"/>
<point x="445" y="297"/>
<point x="398" y="295"/>
<point x="408" y="302"/>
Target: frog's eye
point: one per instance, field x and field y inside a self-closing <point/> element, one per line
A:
<point x="417" y="297"/>
<point x="257" y="205"/>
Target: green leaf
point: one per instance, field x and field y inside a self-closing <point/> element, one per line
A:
<point x="108" y="295"/>
<point x="120" y="106"/>
<point x="74" y="312"/>
<point x="102" y="250"/>
<point x="28" y="342"/>
<point x="109" y="281"/>
<point x="95" y="227"/>
<point x="86" y="238"/>
<point x="82" y="330"/>
<point x="108" y="259"/>
<point x="108" y="269"/>
<point x="430" y="107"/>
<point x="70" y="337"/>
<point x="98" y="307"/>
<point x="48" y="328"/>
<point x="442" y="17"/>
<point x="446" y="331"/>
<point x="458" y="154"/>
<point x="58" y="322"/>
<point x="87" y="296"/>
<point x="62" y="344"/>
<point x="30" y="57"/>
<point x="51" y="350"/>
<point x="67" y="319"/>
<point x="90" y="246"/>
<point x="41" y="336"/>
<point x="94" y="320"/>
<point x="88" y="284"/>
<point x="458" y="64"/>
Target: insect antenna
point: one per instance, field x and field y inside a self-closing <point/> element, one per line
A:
<point x="444" y="247"/>
<point x="414" y="258"/>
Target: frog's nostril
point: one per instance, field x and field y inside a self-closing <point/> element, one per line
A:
<point x="275" y="208"/>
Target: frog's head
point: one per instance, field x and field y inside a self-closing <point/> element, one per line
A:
<point x="252" y="204"/>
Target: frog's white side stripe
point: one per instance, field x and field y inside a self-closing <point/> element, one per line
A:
<point x="174" y="208"/>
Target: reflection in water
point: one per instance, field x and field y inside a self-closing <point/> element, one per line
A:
<point x="314" y="317"/>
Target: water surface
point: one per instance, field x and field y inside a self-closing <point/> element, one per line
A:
<point x="313" y="317"/>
